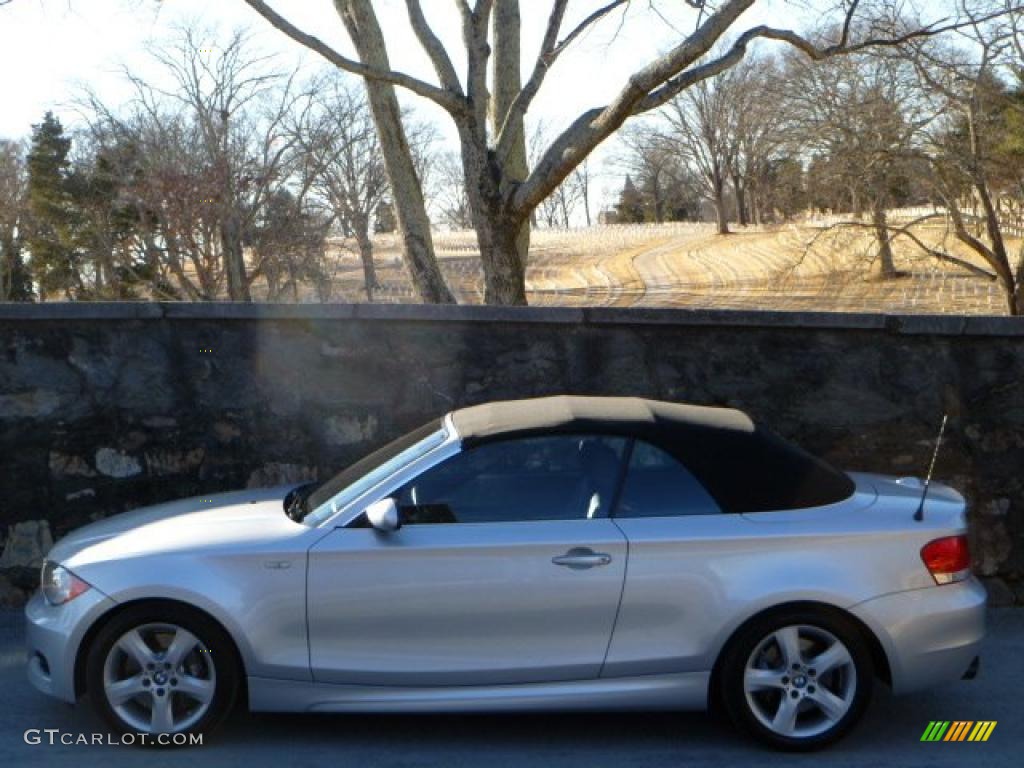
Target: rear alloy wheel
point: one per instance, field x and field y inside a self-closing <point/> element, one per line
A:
<point x="798" y="680"/>
<point x="162" y="671"/>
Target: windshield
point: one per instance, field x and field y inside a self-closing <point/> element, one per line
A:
<point x="358" y="478"/>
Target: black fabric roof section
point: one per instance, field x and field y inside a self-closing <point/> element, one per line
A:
<point x="744" y="466"/>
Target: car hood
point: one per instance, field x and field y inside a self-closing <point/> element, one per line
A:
<point x="202" y="521"/>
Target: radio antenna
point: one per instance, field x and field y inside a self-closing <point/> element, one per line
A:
<point x="919" y="514"/>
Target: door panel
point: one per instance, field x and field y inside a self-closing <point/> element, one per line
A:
<point x="677" y="598"/>
<point x="464" y="604"/>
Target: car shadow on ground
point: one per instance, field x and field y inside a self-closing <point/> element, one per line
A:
<point x="889" y="734"/>
<point x="556" y="734"/>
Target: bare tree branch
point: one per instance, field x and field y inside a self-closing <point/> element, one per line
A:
<point x="595" y="125"/>
<point x="843" y="46"/>
<point x="474" y="32"/>
<point x="905" y="231"/>
<point x="434" y="48"/>
<point x="444" y="98"/>
<point x="593" y="18"/>
<point x="545" y="59"/>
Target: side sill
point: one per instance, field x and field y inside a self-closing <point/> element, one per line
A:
<point x="684" y="691"/>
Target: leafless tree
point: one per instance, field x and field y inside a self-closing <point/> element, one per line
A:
<point x="13" y="207"/>
<point x="364" y="30"/>
<point x="335" y="134"/>
<point x="701" y="133"/>
<point x="206" y="164"/>
<point x="968" y="84"/>
<point x="665" y="189"/>
<point x="289" y="242"/>
<point x="169" y="185"/>
<point x="489" y="103"/>
<point x="237" y="101"/>
<point x="862" y="119"/>
<point x="448" y="192"/>
<point x="581" y="179"/>
<point x="758" y="135"/>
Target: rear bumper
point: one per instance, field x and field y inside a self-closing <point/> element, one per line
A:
<point x="930" y="635"/>
<point x="53" y="634"/>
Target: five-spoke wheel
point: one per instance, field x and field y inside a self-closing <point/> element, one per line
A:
<point x="797" y="679"/>
<point x="159" y="678"/>
<point x="159" y="670"/>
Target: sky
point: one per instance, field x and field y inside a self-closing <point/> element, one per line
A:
<point x="50" y="49"/>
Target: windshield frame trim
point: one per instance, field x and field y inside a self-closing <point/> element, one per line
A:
<point x="444" y="450"/>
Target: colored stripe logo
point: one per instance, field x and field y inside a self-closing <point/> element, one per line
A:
<point x="958" y="730"/>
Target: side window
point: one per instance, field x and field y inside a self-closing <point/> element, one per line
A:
<point x="657" y="485"/>
<point x="560" y="477"/>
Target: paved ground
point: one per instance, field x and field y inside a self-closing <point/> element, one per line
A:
<point x="888" y="736"/>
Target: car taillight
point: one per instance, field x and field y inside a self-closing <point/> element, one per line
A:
<point x="948" y="559"/>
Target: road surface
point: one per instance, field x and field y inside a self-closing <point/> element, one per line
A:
<point x="889" y="735"/>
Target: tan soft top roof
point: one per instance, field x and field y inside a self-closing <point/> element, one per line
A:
<point x="571" y="412"/>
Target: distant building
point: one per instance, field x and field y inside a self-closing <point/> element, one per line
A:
<point x="608" y="217"/>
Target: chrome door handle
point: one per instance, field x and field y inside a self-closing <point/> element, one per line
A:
<point x="580" y="558"/>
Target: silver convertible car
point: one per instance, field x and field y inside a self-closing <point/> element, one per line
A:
<point x="565" y="553"/>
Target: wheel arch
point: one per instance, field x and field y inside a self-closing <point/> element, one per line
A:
<point x="879" y="658"/>
<point x="90" y="636"/>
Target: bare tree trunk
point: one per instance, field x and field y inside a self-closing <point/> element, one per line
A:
<point x="234" y="259"/>
<point x="992" y="226"/>
<point x="659" y="201"/>
<point x="586" y="196"/>
<point x="720" y="211"/>
<point x="498" y="235"/>
<point x="10" y="253"/>
<point x="1011" y="281"/>
<point x="362" y="235"/>
<point x="272" y="274"/>
<point x="504" y="272"/>
<point x="755" y="206"/>
<point x="1015" y="303"/>
<point x="361" y="22"/>
<point x="506" y="84"/>
<point x="741" y="199"/>
<point x="886" y="265"/>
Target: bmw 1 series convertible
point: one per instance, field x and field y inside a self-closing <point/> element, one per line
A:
<point x="563" y="553"/>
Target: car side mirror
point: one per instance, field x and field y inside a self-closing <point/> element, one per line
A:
<point x="383" y="515"/>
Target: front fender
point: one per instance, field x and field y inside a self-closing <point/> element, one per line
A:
<point x="263" y="608"/>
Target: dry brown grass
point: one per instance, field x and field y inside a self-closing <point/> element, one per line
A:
<point x="688" y="265"/>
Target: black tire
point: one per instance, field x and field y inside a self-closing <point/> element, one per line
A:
<point x="222" y="660"/>
<point x="813" y="728"/>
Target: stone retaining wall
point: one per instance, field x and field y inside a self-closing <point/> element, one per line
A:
<point x="104" y="407"/>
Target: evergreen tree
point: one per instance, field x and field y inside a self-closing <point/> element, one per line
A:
<point x="105" y="225"/>
<point x="630" y="208"/>
<point x="51" y="233"/>
<point x="384" y="219"/>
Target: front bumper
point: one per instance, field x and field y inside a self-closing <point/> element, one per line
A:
<point x="53" y="635"/>
<point x="930" y="635"/>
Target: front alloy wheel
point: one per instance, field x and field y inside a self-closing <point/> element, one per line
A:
<point x="159" y="678"/>
<point x="162" y="670"/>
<point x="798" y="680"/>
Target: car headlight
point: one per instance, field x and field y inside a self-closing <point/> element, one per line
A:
<point x="60" y="585"/>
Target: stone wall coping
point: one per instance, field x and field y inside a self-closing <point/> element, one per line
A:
<point x="932" y="325"/>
